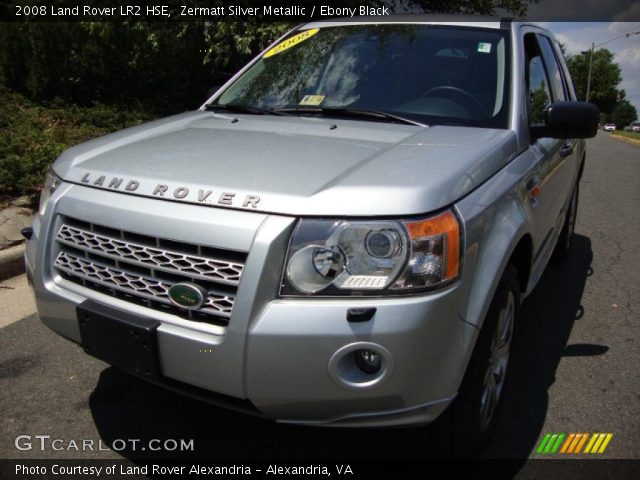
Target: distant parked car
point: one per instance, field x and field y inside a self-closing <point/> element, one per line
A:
<point x="635" y="126"/>
<point x="609" y="127"/>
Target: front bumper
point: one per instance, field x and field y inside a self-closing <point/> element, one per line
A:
<point x="291" y="359"/>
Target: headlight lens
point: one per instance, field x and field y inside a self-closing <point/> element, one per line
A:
<point x="344" y="257"/>
<point x="51" y="183"/>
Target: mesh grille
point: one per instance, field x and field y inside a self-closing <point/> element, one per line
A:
<point x="142" y="269"/>
<point x="165" y="260"/>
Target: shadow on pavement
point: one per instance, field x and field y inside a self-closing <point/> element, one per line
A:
<point x="124" y="407"/>
<point x="546" y="321"/>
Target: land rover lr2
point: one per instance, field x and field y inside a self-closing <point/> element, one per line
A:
<point x="341" y="235"/>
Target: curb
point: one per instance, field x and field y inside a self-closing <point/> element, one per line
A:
<point x="632" y="141"/>
<point x="12" y="261"/>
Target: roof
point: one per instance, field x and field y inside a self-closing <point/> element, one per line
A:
<point x="466" y="20"/>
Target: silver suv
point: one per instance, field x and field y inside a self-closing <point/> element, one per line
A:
<point x="341" y="235"/>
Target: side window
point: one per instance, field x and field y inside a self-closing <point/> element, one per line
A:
<point x="553" y="69"/>
<point x="568" y="81"/>
<point x="537" y="82"/>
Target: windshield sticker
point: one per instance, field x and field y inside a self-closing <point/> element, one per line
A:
<point x="291" y="42"/>
<point x="312" y="100"/>
<point x="484" y="47"/>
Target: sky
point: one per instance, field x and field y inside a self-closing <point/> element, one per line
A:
<point x="577" y="37"/>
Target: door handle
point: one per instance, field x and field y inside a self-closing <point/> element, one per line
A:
<point x="533" y="183"/>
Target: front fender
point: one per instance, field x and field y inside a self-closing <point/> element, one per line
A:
<point x="496" y="218"/>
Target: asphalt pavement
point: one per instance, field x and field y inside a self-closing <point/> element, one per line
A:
<point x="575" y="363"/>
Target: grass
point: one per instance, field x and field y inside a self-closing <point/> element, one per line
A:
<point x="631" y="135"/>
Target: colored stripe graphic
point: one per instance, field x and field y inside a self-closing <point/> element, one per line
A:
<point x="582" y="442"/>
<point x="606" y="442"/>
<point x="558" y="443"/>
<point x="594" y="437"/>
<point x="543" y="443"/>
<point x="568" y="442"/>
<point x="551" y="443"/>
<point x="598" y="442"/>
<point x="573" y="443"/>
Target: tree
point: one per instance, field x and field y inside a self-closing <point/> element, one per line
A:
<point x="624" y="113"/>
<point x="539" y="105"/>
<point x="163" y="67"/>
<point x="605" y="77"/>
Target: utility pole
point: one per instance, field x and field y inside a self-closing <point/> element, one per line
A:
<point x="593" y="47"/>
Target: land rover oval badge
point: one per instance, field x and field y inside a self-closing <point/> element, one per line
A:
<point x="187" y="295"/>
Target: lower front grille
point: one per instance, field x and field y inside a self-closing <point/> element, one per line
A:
<point x="145" y="283"/>
<point x="148" y="288"/>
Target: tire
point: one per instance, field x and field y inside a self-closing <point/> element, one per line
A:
<point x="465" y="428"/>
<point x="563" y="246"/>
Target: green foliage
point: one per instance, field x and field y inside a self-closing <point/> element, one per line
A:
<point x="32" y="136"/>
<point x="623" y="114"/>
<point x="84" y="79"/>
<point x="631" y="135"/>
<point x="605" y="77"/>
<point x="539" y="104"/>
<point x="164" y="67"/>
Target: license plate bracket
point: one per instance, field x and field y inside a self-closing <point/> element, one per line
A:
<point x="123" y="339"/>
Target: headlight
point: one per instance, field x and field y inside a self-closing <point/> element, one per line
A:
<point x="345" y="257"/>
<point x="51" y="183"/>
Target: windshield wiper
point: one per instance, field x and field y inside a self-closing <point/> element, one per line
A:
<point x="352" y="112"/>
<point x="243" y="109"/>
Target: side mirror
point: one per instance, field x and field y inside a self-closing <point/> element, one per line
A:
<point x="569" y="120"/>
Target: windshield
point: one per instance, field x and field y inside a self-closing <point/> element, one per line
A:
<point x="432" y="74"/>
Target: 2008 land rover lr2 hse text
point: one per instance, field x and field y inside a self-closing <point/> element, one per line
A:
<point x="341" y="235"/>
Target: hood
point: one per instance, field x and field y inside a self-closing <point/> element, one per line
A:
<point x="292" y="165"/>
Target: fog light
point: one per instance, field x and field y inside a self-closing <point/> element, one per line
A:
<point x="368" y="361"/>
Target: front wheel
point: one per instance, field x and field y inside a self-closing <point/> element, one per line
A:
<point x="465" y="428"/>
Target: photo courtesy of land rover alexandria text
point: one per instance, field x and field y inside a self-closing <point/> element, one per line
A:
<point x="342" y="235"/>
